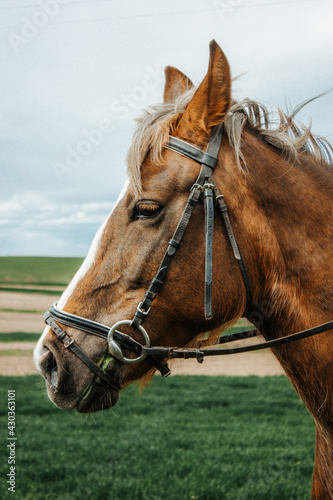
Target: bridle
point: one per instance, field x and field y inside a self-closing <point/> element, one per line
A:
<point x="206" y="188"/>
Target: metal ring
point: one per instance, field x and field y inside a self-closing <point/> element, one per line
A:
<point x="114" y="347"/>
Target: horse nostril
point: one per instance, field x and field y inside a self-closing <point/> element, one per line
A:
<point x="49" y="369"/>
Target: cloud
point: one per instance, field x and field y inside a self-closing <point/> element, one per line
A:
<point x="33" y="225"/>
<point x="73" y="74"/>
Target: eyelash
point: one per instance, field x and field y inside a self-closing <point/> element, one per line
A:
<point x="151" y="208"/>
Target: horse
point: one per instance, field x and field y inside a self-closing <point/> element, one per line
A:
<point x="270" y="259"/>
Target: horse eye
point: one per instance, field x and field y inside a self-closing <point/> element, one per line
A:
<point x="146" y="209"/>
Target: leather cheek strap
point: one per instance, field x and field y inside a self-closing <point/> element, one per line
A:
<point x="209" y="234"/>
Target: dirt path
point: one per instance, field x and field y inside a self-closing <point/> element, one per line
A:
<point x="26" y="301"/>
<point x="12" y="346"/>
<point x="21" y="322"/>
<point x="17" y="365"/>
<point x="261" y="364"/>
<point x="24" y="322"/>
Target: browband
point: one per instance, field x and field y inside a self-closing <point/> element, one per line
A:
<point x="191" y="152"/>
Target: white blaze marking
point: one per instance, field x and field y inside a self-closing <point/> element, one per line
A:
<point x="86" y="265"/>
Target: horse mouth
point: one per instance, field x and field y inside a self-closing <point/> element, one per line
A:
<point x="69" y="391"/>
<point x="98" y="396"/>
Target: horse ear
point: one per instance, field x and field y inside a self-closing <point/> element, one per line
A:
<point x="211" y="100"/>
<point x="175" y="83"/>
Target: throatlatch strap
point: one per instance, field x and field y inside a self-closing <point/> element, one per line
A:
<point x="224" y="212"/>
<point x="209" y="225"/>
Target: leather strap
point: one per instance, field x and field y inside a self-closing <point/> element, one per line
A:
<point x="174" y="243"/>
<point x="232" y="337"/>
<point x="208" y="162"/>
<point x="102" y="331"/>
<point x="70" y="344"/>
<point x="194" y="353"/>
<point x="83" y="324"/>
<point x="213" y="148"/>
<point x="196" y="154"/>
<point x="233" y="242"/>
<point x="209" y="225"/>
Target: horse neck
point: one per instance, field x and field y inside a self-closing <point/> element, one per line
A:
<point x="282" y="215"/>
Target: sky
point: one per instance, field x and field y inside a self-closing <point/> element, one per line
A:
<point x="76" y="73"/>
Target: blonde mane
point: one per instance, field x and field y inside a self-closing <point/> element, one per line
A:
<point x="284" y="133"/>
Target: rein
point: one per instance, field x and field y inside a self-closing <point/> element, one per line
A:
<point x="205" y="187"/>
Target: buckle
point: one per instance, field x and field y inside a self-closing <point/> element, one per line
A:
<point x="199" y="355"/>
<point x="142" y="311"/>
<point x="208" y="186"/>
<point x="66" y="342"/>
<point x="196" y="186"/>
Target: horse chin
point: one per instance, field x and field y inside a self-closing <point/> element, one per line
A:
<point x="97" y="397"/>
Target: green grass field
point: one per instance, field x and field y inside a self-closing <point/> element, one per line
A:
<point x="17" y="289"/>
<point x="207" y="438"/>
<point x="19" y="337"/>
<point x="38" y="270"/>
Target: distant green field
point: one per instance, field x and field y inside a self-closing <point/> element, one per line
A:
<point x="16" y="289"/>
<point x="19" y="337"/>
<point x="204" y="438"/>
<point x="38" y="270"/>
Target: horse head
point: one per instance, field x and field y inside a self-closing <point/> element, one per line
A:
<point x="127" y="250"/>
